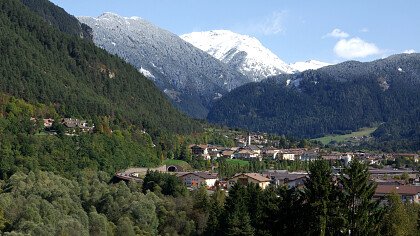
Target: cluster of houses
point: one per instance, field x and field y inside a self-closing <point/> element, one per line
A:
<point x="388" y="180"/>
<point x="72" y="125"/>
<point x="260" y="152"/>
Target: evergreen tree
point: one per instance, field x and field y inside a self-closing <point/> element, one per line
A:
<point x="318" y="192"/>
<point x="361" y="214"/>
<point x="238" y="221"/>
<point x="217" y="201"/>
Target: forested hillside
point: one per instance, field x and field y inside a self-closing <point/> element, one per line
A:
<point x="59" y="18"/>
<point x="335" y="99"/>
<point x="41" y="64"/>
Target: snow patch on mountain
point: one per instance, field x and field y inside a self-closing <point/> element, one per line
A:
<point x="146" y="73"/>
<point x="241" y="52"/>
<point x="308" y="65"/>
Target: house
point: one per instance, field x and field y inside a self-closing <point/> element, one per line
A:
<point x="72" y="123"/>
<point x="245" y="154"/>
<point x="48" y="122"/>
<point x="215" y="154"/>
<point x="408" y="193"/>
<point x="270" y="153"/>
<point x="287" y="156"/>
<point x="309" y="156"/>
<point x="228" y="154"/>
<point x="197" y="179"/>
<point x="199" y="150"/>
<point x="254" y="149"/>
<point x="283" y="177"/>
<point x="246" y="178"/>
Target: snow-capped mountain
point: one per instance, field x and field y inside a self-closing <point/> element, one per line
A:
<point x="241" y="52"/>
<point x="308" y="65"/>
<point x="186" y="74"/>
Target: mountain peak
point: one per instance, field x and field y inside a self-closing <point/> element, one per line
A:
<point x="241" y="52"/>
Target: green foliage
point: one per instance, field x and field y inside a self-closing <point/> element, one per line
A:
<point x="41" y="64"/>
<point x="400" y="219"/>
<point x="229" y="167"/>
<point x="334" y="100"/>
<point x="238" y="221"/>
<point x="59" y="18"/>
<point x="319" y="190"/>
<point x="166" y="184"/>
<point x="42" y="203"/>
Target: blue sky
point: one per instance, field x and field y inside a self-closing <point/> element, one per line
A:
<point x="295" y="30"/>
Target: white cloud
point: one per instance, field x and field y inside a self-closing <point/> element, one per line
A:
<point x="337" y="33"/>
<point x="409" y="51"/>
<point x="355" y="48"/>
<point x="271" y="24"/>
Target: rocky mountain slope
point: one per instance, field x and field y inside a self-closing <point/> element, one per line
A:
<point x="190" y="77"/>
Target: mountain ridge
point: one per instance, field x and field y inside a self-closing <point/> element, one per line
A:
<point x="189" y="76"/>
<point x="333" y="99"/>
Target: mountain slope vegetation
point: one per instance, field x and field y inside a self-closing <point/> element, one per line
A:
<point x="335" y="99"/>
<point x="41" y="64"/>
<point x="59" y="18"/>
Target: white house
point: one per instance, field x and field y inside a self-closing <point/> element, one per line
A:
<point x="197" y="179"/>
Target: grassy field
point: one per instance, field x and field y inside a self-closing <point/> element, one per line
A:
<point x="346" y="137"/>
<point x="180" y="163"/>
<point x="236" y="161"/>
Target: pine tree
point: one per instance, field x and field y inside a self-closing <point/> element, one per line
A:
<point x="238" y="221"/>
<point x="361" y="214"/>
<point x="318" y="191"/>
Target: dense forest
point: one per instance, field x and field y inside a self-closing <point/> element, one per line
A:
<point x="336" y="99"/>
<point x="44" y="203"/>
<point x="41" y="64"/>
<point x="59" y="18"/>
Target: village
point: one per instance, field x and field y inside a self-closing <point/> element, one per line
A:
<point x="402" y="179"/>
<point x="72" y="126"/>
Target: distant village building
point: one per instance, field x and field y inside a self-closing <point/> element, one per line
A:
<point x="72" y="124"/>
<point x="287" y="156"/>
<point x="408" y="193"/>
<point x="197" y="179"/>
<point x="48" y="122"/>
<point x="202" y="151"/>
<point x="246" y="178"/>
<point x="285" y="178"/>
<point x="228" y="154"/>
<point x="199" y="150"/>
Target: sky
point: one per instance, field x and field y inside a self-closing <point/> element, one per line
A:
<point x="294" y="30"/>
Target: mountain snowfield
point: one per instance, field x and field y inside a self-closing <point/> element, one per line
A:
<point x="246" y="54"/>
<point x="308" y="65"/>
<point x="192" y="78"/>
<point x="241" y="52"/>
